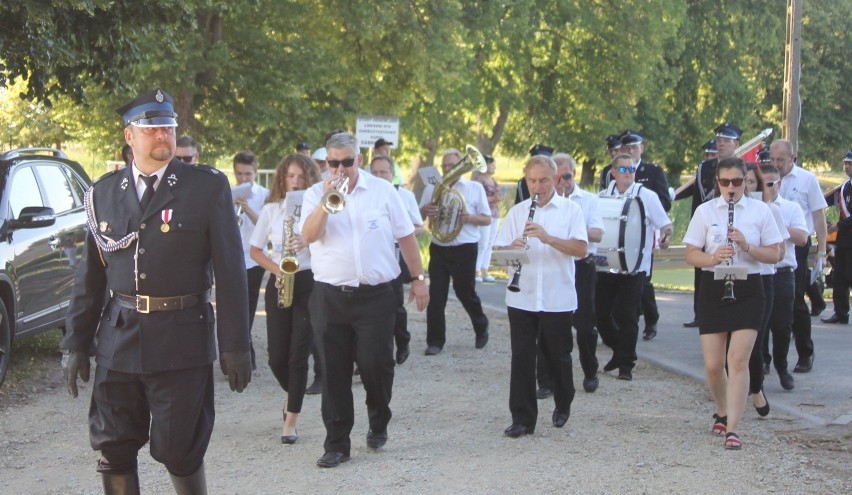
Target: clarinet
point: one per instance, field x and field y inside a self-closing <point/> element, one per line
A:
<point x="729" y="279"/>
<point x="514" y="286"/>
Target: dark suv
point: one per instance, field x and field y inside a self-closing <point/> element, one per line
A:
<point x="42" y="231"/>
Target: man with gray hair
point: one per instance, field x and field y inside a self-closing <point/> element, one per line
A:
<point x="352" y="306"/>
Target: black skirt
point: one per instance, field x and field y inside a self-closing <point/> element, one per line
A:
<point x="717" y="316"/>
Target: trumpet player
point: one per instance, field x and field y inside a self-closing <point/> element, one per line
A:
<point x="553" y="234"/>
<point x="245" y="171"/>
<point x="734" y="229"/>
<point x="455" y="259"/>
<point x="352" y="307"/>
<point x="288" y="329"/>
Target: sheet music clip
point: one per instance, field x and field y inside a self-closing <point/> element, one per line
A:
<point x="721" y="272"/>
<point x="509" y="257"/>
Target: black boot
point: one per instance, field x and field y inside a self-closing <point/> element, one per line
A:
<point x="194" y="484"/>
<point x="121" y="484"/>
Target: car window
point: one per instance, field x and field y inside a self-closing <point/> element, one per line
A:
<point x="55" y="184"/>
<point x="23" y="191"/>
<point x="77" y="185"/>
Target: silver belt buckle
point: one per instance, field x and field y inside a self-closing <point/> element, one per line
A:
<point x="346" y="288"/>
<point x="142" y="304"/>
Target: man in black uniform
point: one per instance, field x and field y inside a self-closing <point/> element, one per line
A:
<point x="140" y="304"/>
<point x="702" y="188"/>
<point x="613" y="147"/>
<point x="841" y="278"/>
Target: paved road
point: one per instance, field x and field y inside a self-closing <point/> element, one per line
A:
<point x="821" y="397"/>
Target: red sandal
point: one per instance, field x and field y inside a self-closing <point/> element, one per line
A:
<point x="732" y="441"/>
<point x="720" y="425"/>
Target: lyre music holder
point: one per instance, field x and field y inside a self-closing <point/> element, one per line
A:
<point x="509" y="257"/>
<point x="722" y="272"/>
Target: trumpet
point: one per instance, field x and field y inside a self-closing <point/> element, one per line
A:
<point x="288" y="266"/>
<point x="728" y="296"/>
<point x="334" y="200"/>
<point x="515" y="286"/>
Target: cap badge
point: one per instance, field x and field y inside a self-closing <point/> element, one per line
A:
<point x="159" y="96"/>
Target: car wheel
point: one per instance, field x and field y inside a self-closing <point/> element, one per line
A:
<point x="5" y="342"/>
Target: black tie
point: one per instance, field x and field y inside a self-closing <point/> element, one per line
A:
<point x="149" y="190"/>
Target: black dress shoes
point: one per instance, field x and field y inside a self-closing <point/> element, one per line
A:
<point x="816" y="310"/>
<point x="625" y="374"/>
<point x="482" y="340"/>
<point x="516" y="431"/>
<point x="315" y="388"/>
<point x="610" y="366"/>
<point x="432" y="350"/>
<point x="543" y="393"/>
<point x="332" y="459"/>
<point x="835" y="318"/>
<point x="804" y="365"/>
<point x="650" y="332"/>
<point x="591" y="384"/>
<point x="786" y="379"/>
<point x="559" y="419"/>
<point x="763" y="410"/>
<point x="402" y="354"/>
<point x="376" y="440"/>
<point x="691" y="324"/>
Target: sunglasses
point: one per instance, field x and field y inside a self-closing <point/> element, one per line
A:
<point x="771" y="183"/>
<point x="185" y="159"/>
<point x="150" y="131"/>
<point x="728" y="182"/>
<point x="567" y="176"/>
<point x="336" y="163"/>
<point x="623" y="169"/>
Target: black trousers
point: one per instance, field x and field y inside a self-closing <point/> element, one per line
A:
<point x="781" y="319"/>
<point x="801" y="312"/>
<point x="755" y="361"/>
<point x="174" y="407"/>
<point x="649" y="299"/>
<point x="254" y="277"/>
<point x="400" y="329"/>
<point x="549" y="333"/>
<point x="354" y="326"/>
<point x="459" y="264"/>
<point x="617" y="301"/>
<point x="583" y="320"/>
<point x="288" y="335"/>
<point x="841" y="279"/>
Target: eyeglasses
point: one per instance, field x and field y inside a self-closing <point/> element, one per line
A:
<point x="150" y="131"/>
<point x="348" y="162"/>
<point x="185" y="159"/>
<point x="623" y="169"/>
<point x="567" y="176"/>
<point x="772" y="183"/>
<point x="734" y="182"/>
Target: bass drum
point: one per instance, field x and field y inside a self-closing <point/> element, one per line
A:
<point x="620" y="250"/>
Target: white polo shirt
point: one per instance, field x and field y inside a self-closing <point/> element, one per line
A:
<point x="411" y="207"/>
<point x="476" y="202"/>
<point x="270" y="228"/>
<point x="708" y="228"/>
<point x="655" y="217"/>
<point x="588" y="203"/>
<point x="357" y="246"/>
<point x="547" y="282"/>
<point x="802" y="187"/>
<point x="255" y="202"/>
<point x="793" y="218"/>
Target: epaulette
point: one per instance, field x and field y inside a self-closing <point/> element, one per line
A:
<point x="206" y="168"/>
<point x="105" y="176"/>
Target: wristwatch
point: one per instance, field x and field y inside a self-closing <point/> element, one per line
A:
<point x="420" y="277"/>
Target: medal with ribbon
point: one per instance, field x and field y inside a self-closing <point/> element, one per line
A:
<point x="166" y="216"/>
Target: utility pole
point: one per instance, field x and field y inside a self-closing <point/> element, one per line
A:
<point x="791" y="112"/>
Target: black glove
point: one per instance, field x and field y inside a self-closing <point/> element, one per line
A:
<point x="237" y="365"/>
<point x="74" y="363"/>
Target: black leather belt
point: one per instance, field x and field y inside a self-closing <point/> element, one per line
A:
<point x="785" y="269"/>
<point x="360" y="288"/>
<point x="147" y="304"/>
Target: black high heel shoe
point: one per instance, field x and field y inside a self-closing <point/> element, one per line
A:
<point x="763" y="410"/>
<point x="290" y="439"/>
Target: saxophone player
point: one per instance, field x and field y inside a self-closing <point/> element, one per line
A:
<point x="540" y="313"/>
<point x="288" y="329"/>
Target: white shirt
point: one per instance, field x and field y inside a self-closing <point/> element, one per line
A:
<point x="588" y="203"/>
<point x="802" y="187"/>
<point x="270" y="227"/>
<point x="411" y="207"/>
<point x="708" y="229"/>
<point x="547" y="281"/>
<point x="476" y="202"/>
<point x="255" y="202"/>
<point x="140" y="184"/>
<point x="793" y="218"/>
<point x="768" y="268"/>
<point x="357" y="246"/>
<point x="655" y="217"/>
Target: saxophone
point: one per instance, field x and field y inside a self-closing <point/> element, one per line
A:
<point x="288" y="267"/>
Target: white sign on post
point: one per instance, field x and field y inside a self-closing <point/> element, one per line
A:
<point x="369" y="128"/>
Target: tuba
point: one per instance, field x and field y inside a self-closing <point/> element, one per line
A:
<point x="334" y="200"/>
<point x="446" y="225"/>
<point x="288" y="267"/>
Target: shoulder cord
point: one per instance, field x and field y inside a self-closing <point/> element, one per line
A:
<point x="104" y="244"/>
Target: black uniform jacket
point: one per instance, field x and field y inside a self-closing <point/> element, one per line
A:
<point x="842" y="197"/>
<point x="706" y="173"/>
<point x="202" y="233"/>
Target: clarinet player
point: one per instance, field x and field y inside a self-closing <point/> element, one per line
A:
<point x="553" y="233"/>
<point x="732" y="229"/>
